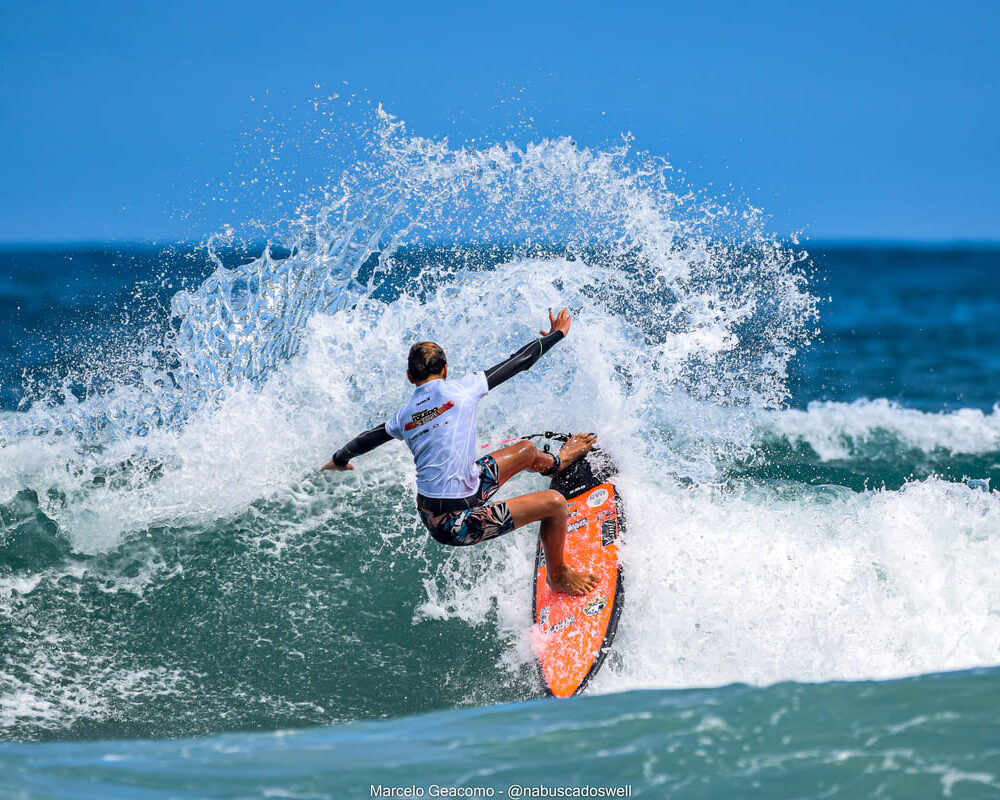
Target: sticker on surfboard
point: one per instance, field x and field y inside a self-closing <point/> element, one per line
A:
<point x="572" y="635"/>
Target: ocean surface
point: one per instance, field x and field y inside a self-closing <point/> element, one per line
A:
<point x="809" y="440"/>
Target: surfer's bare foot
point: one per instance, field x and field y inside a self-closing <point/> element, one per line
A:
<point x="569" y="581"/>
<point x="577" y="447"/>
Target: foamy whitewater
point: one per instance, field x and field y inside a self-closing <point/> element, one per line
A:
<point x="172" y="562"/>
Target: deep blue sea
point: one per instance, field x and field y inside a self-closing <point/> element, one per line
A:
<point x="809" y="445"/>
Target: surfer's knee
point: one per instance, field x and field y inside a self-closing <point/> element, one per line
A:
<point x="526" y="452"/>
<point x="554" y="503"/>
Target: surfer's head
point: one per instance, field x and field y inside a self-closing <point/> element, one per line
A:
<point x="426" y="361"/>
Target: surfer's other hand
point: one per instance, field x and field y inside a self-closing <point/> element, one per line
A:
<point x="559" y="323"/>
<point x="330" y="465"/>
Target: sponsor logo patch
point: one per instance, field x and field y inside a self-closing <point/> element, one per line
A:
<point x="425" y="416"/>
<point x="563" y="623"/>
<point x="543" y="619"/>
<point x="609" y="532"/>
<point x="597" y="498"/>
<point x="595" y="606"/>
<point x="576" y="525"/>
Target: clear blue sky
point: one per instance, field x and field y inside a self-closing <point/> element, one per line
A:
<point x="845" y="119"/>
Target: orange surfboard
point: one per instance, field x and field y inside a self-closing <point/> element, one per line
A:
<point x="572" y="635"/>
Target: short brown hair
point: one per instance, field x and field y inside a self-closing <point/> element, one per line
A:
<point x="425" y="359"/>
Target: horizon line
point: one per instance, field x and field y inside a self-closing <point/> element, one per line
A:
<point x="804" y="242"/>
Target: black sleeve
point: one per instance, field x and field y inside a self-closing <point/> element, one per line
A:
<point x="521" y="360"/>
<point x="361" y="444"/>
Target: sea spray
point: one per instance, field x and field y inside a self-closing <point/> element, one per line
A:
<point x="174" y="563"/>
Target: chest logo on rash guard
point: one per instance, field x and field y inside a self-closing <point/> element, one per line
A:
<point x="425" y="416"/>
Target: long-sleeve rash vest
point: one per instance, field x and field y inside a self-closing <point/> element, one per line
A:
<point x="439" y="424"/>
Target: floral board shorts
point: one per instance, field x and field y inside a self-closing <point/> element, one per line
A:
<point x="476" y="523"/>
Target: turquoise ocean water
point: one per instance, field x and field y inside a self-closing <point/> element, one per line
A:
<point x="809" y="443"/>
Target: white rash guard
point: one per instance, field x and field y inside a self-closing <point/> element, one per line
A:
<point x="439" y="427"/>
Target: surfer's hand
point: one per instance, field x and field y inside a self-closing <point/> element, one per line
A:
<point x="336" y="467"/>
<point x="559" y="323"/>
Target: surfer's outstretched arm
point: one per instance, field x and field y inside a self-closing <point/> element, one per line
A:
<point x="526" y="357"/>
<point x="359" y="445"/>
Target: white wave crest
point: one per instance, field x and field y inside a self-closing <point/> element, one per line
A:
<point x="845" y="430"/>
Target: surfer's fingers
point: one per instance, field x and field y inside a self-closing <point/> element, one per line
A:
<point x="334" y="467"/>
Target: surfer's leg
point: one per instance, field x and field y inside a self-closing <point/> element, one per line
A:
<point x="526" y="456"/>
<point x="519" y="457"/>
<point x="549" y="508"/>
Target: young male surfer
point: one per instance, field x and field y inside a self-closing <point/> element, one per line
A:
<point x="453" y="488"/>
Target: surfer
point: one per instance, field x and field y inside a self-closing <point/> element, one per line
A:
<point x="453" y="488"/>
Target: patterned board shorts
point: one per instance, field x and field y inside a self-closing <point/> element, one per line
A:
<point x="473" y="525"/>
